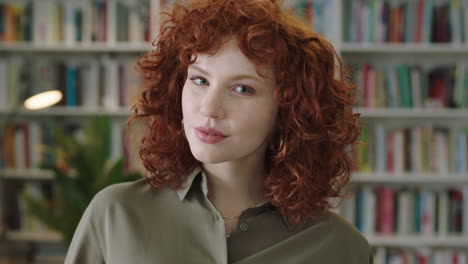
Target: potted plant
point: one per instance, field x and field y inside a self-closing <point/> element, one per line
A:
<point x="86" y="169"/>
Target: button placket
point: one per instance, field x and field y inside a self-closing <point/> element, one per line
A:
<point x="243" y="226"/>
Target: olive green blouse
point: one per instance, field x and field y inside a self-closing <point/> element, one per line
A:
<point x="133" y="223"/>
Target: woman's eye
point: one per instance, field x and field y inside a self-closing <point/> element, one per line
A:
<point x="244" y="89"/>
<point x="199" y="80"/>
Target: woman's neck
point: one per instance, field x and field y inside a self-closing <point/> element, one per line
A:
<point x="235" y="187"/>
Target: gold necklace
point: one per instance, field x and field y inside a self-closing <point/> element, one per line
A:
<point x="225" y="217"/>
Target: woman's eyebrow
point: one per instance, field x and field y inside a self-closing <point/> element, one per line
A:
<point x="233" y="77"/>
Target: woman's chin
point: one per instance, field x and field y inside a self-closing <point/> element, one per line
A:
<point x="210" y="158"/>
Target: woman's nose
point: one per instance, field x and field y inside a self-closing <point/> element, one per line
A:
<point x="211" y="104"/>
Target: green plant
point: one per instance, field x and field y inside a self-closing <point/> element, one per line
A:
<point x="87" y="170"/>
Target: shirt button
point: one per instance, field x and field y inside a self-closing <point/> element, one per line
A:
<point x="216" y="217"/>
<point x="243" y="226"/>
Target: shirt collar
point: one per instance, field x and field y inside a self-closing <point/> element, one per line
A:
<point x="198" y="172"/>
<point x="182" y="193"/>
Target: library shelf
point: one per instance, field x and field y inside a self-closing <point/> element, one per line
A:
<point x="413" y="113"/>
<point x="42" y="237"/>
<point x="76" y="48"/>
<point x="123" y="112"/>
<point x="26" y="174"/>
<point x="423" y="179"/>
<point x="351" y="52"/>
<point x="439" y="179"/>
<point x="406" y="48"/>
<point x="64" y="111"/>
<point x="455" y="241"/>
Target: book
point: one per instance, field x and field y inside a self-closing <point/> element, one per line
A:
<point x="110" y="97"/>
<point x="385" y="210"/>
<point x="405" y="21"/>
<point x="75" y="22"/>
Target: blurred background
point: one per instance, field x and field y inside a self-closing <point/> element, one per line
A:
<point x="67" y="83"/>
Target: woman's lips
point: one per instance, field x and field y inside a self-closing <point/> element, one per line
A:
<point x="209" y="135"/>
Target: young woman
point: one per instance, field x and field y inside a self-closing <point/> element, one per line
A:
<point x="248" y="118"/>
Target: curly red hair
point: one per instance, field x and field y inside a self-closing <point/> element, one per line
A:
<point x="307" y="162"/>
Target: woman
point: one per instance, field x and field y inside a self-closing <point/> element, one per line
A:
<point x="248" y="118"/>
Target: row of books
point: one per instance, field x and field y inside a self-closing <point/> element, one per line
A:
<point x="408" y="211"/>
<point x="416" y="149"/>
<point x="102" y="82"/>
<point x="412" y="86"/>
<point x="74" y="22"/>
<point x="50" y="254"/>
<point x="14" y="253"/>
<point x="319" y="15"/>
<point x="406" y="21"/>
<point x="419" y="256"/>
<point x="27" y="145"/>
<point x="18" y="215"/>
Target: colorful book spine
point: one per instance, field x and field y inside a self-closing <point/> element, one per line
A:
<point x="405" y="21"/>
<point x="412" y="86"/>
<point x="71" y="86"/>
<point x="75" y="22"/>
<point x="408" y="211"/>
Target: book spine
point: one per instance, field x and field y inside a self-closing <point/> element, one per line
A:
<point x="404" y="212"/>
<point x="87" y="20"/>
<point x="386" y="210"/>
<point x="399" y="155"/>
<point x="428" y="214"/>
<point x="91" y="85"/>
<point x="442" y="213"/>
<point x="71" y="85"/>
<point x="68" y="23"/>
<point x="111" y="92"/>
<point x="369" y="211"/>
<point x="111" y="21"/>
<point x="3" y="84"/>
<point x="380" y="135"/>
<point x="19" y="148"/>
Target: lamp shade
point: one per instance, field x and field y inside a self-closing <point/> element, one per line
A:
<point x="43" y="100"/>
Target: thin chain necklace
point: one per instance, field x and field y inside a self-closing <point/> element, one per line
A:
<point x="225" y="217"/>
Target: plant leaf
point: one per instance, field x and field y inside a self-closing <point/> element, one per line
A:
<point x="70" y="189"/>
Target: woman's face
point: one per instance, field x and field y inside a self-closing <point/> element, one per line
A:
<point x="229" y="111"/>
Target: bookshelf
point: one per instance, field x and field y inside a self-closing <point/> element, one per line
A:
<point x="403" y="48"/>
<point x="27" y="174"/>
<point x="60" y="111"/>
<point x="49" y="237"/>
<point x="412" y="220"/>
<point x="419" y="241"/>
<point x="77" y="48"/>
<point x="405" y="179"/>
<point x="360" y="37"/>
<point x="93" y="47"/>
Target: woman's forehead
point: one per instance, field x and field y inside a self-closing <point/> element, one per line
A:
<point x="230" y="58"/>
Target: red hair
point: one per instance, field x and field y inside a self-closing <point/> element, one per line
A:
<point x="306" y="162"/>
